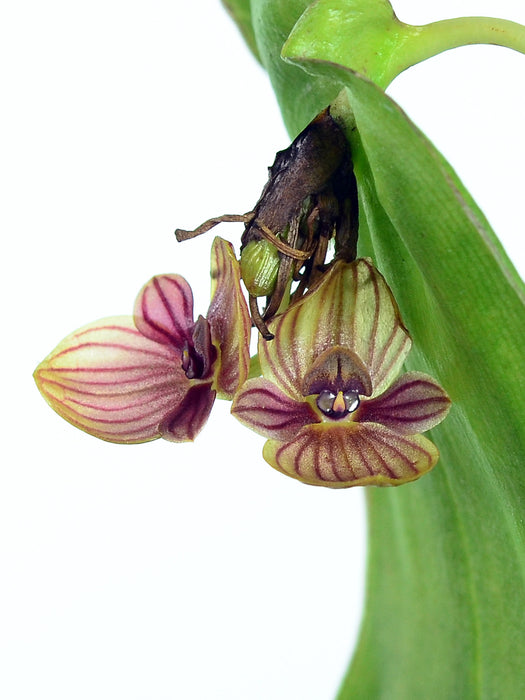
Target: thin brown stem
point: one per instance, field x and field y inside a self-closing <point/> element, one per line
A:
<point x="182" y="235"/>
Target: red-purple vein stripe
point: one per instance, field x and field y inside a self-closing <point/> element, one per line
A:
<point x="377" y="297"/>
<point x="177" y="309"/>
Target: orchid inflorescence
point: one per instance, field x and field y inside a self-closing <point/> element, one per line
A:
<point x="331" y="341"/>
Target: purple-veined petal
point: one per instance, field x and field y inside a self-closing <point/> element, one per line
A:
<point x="229" y="320"/>
<point x="354" y="454"/>
<point x="110" y="381"/>
<point x="413" y="404"/>
<point x="188" y="418"/>
<point x="164" y="310"/>
<point x="262" y="406"/>
<point x="352" y="307"/>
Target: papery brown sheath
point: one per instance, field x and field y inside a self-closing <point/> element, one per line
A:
<point x="309" y="198"/>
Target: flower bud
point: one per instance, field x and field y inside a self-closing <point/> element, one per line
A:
<point x="259" y="267"/>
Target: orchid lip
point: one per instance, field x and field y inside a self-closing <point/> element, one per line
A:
<point x="337" y="405"/>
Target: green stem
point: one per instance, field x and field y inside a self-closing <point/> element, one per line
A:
<point x="431" y="39"/>
<point x="367" y="37"/>
<point x="255" y="367"/>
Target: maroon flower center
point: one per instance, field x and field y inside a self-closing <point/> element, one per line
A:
<point x="337" y="378"/>
<point x="199" y="353"/>
<point x="337" y="405"/>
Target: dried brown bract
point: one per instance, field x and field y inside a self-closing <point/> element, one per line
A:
<point x="310" y="198"/>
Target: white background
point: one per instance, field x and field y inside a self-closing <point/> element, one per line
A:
<point x="177" y="571"/>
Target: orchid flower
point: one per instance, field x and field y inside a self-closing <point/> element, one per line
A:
<point x="131" y="379"/>
<point x="329" y="400"/>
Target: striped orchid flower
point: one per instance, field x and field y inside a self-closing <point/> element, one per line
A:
<point x="329" y="400"/>
<point x="132" y="379"/>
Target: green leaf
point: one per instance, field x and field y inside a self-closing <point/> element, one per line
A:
<point x="366" y="36"/>
<point x="446" y="572"/>
<point x="240" y="12"/>
<point x="377" y="36"/>
<point x="447" y="555"/>
<point x="301" y="97"/>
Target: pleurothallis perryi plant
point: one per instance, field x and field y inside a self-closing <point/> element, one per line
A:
<point x="446" y="561"/>
<point x="446" y="552"/>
